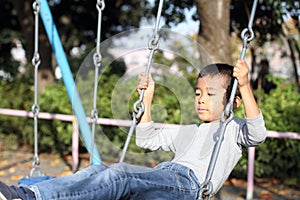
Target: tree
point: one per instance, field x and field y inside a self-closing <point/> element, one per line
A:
<point x="219" y="18"/>
<point x="214" y="29"/>
<point x="26" y="22"/>
<point x="76" y="22"/>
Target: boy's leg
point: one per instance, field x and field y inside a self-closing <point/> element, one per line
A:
<point x="13" y="192"/>
<point x="5" y="192"/>
<point x="168" y="181"/>
<point x="122" y="181"/>
<point x="93" y="182"/>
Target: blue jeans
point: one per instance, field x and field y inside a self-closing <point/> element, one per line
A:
<point x="167" y="180"/>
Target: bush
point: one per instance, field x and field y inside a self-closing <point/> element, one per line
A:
<point x="277" y="158"/>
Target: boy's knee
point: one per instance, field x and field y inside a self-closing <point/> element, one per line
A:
<point x="91" y="170"/>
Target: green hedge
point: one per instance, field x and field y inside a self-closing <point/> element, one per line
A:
<point x="277" y="158"/>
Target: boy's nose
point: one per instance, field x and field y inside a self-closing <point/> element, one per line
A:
<point x="201" y="100"/>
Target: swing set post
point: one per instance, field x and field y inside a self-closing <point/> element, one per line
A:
<point x="61" y="59"/>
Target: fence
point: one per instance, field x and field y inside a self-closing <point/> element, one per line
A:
<point x="127" y="123"/>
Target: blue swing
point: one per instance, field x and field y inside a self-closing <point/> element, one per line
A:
<point x="35" y="175"/>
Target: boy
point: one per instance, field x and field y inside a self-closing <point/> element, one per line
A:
<point x="192" y="144"/>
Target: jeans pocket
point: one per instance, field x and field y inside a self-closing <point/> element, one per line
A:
<point x="194" y="184"/>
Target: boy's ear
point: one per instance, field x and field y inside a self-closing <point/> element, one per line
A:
<point x="237" y="102"/>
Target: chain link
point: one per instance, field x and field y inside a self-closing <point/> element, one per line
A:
<point x="35" y="170"/>
<point x="94" y="116"/>
<point x="139" y="108"/>
<point x="36" y="161"/>
<point x="36" y="7"/>
<point x="206" y="189"/>
<point x="97" y="58"/>
<point x="35" y="110"/>
<point x="100" y="5"/>
<point x="153" y="43"/>
<point x="36" y="61"/>
<point x="249" y="34"/>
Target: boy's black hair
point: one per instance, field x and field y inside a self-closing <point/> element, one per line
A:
<point x="223" y="70"/>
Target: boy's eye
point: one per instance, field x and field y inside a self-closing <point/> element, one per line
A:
<point x="211" y="94"/>
<point x="197" y="93"/>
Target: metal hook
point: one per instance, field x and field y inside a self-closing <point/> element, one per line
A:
<point x="35" y="110"/>
<point x="36" y="61"/>
<point x="153" y="43"/>
<point x="100" y="5"/>
<point x="138" y="110"/>
<point x="97" y="59"/>
<point x="206" y="190"/>
<point x="36" y="7"/>
<point x="245" y="35"/>
<point x="94" y="115"/>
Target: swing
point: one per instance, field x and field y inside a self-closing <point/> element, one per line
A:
<point x="138" y="105"/>
<point x="227" y="116"/>
<point x="247" y="35"/>
<point x="97" y="63"/>
<point x="36" y="174"/>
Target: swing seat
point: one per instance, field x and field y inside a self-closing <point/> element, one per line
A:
<point x="27" y="181"/>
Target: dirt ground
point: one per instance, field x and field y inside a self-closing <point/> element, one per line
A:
<point x="15" y="165"/>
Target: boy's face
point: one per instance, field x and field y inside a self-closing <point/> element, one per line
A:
<point x="210" y="99"/>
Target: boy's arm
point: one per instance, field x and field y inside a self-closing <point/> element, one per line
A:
<point x="147" y="136"/>
<point x="255" y="130"/>
<point x="240" y="72"/>
<point x="146" y="82"/>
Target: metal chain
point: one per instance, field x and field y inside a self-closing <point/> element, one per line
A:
<point x="247" y="35"/>
<point x="35" y="171"/>
<point x="97" y="63"/>
<point x="139" y="106"/>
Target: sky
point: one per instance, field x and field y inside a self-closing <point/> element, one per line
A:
<point x="188" y="27"/>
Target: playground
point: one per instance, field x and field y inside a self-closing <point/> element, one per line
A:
<point x="21" y="162"/>
<point x="15" y="165"/>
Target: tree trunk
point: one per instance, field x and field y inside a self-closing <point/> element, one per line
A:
<point x="293" y="45"/>
<point x="214" y="30"/>
<point x="26" y="20"/>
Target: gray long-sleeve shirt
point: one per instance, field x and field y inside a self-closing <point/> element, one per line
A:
<point x="193" y="145"/>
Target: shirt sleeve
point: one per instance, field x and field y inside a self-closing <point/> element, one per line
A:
<point x="148" y="137"/>
<point x="253" y="131"/>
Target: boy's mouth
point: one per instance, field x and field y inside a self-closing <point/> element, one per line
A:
<point x="202" y="110"/>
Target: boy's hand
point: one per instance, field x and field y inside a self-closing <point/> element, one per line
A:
<point x="240" y="72"/>
<point x="146" y="82"/>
